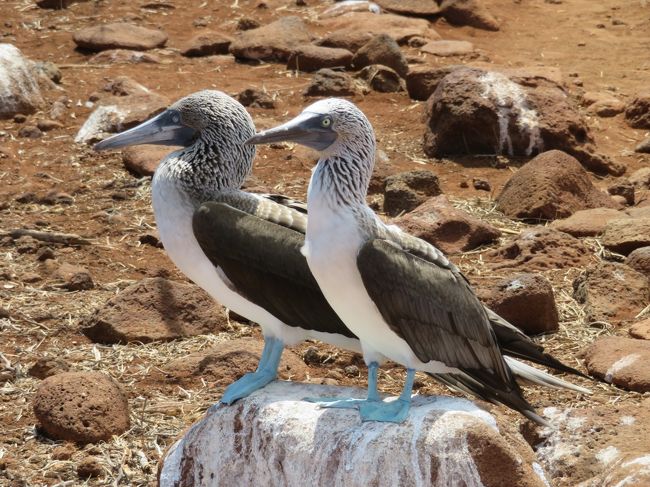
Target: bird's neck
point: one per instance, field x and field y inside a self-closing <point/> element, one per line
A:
<point x="341" y="179"/>
<point x="207" y="167"/>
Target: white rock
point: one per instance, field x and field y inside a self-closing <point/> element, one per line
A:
<point x="102" y="121"/>
<point x="19" y="90"/>
<point x="274" y="438"/>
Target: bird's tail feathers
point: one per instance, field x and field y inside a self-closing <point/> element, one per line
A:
<point x="539" y="377"/>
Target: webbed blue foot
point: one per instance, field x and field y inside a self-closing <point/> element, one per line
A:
<point x="267" y="371"/>
<point x="394" y="411"/>
<point x="352" y="403"/>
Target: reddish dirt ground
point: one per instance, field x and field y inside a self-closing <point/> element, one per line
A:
<point x="45" y="321"/>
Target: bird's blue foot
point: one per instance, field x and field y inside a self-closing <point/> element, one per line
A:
<point x="352" y="403"/>
<point x="266" y="372"/>
<point x="393" y="411"/>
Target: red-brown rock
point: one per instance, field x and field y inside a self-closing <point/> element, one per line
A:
<point x="327" y="82"/>
<point x="620" y="361"/>
<point x="124" y="56"/>
<point x="142" y="160"/>
<point x="381" y="78"/>
<point x="611" y="292"/>
<point x="587" y="223"/>
<point x="627" y="234"/>
<point x="83" y="407"/>
<point x="525" y="300"/>
<point x="639" y="260"/>
<point x="228" y="362"/>
<point x="469" y="12"/>
<point x="312" y="58"/>
<point x="448" y="48"/>
<point x="48" y="366"/>
<point x="155" y="309"/>
<point x="73" y="277"/>
<point x="540" y="249"/>
<point x="405" y="191"/>
<point x="422" y="81"/>
<point x="640" y="178"/>
<point x="475" y="111"/>
<point x="417" y="8"/>
<point x="120" y="35"/>
<point x="449" y="229"/>
<point x="207" y="43"/>
<point x="637" y="113"/>
<point x="641" y="330"/>
<point x="381" y="49"/>
<point x="552" y="185"/>
<point x="273" y="42"/>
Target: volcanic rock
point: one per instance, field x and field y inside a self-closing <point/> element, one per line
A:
<point x="19" y="89"/>
<point x="57" y="4"/>
<point x="83" y="407"/>
<point x="620" y="361"/>
<point x="587" y="223"/>
<point x="468" y="12"/>
<point x="142" y="160"/>
<point x="597" y="286"/>
<point x="312" y="58"/>
<point x="474" y="111"/>
<point x="381" y="78"/>
<point x="273" y="42"/>
<point x="552" y="185"/>
<point x="449" y="229"/>
<point x="624" y="189"/>
<point x="637" y="113"/>
<point x="228" y="362"/>
<point x="643" y="147"/>
<point x="540" y="249"/>
<point x="256" y="98"/>
<point x="155" y="309"/>
<point x="417" y="8"/>
<point x="73" y="277"/>
<point x="355" y="29"/>
<point x="525" y="300"/>
<point x="124" y="56"/>
<point x="381" y="49"/>
<point x="422" y="81"/>
<point x="207" y="43"/>
<point x="640" y="178"/>
<point x="48" y="366"/>
<point x="405" y="191"/>
<point x="641" y="330"/>
<point x="624" y="235"/>
<point x="639" y="260"/>
<point x="119" y="35"/>
<point x="275" y="420"/>
<point x="603" y="104"/>
<point x="448" y="48"/>
<point x="327" y="82"/>
<point x="89" y="467"/>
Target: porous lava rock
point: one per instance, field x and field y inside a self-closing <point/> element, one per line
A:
<point x="19" y="89"/>
<point x="405" y="191"/>
<point x="228" y="362"/>
<point x="448" y="228"/>
<point x="639" y="260"/>
<point x="207" y="43"/>
<point x="641" y="330"/>
<point x="605" y="445"/>
<point x="422" y="81"/>
<point x="611" y="292"/>
<point x="477" y="111"/>
<point x="381" y="78"/>
<point x="310" y="58"/>
<point x="142" y="160"/>
<point x="525" y="300"/>
<point x="327" y="82"/>
<point x="587" y="223"/>
<point x="353" y="30"/>
<point x="640" y="178"/>
<point x="624" y="235"/>
<point x="48" y="366"/>
<point x="540" y="249"/>
<point x="550" y="186"/>
<point x="637" y="113"/>
<point x="82" y="407"/>
<point x="468" y="12"/>
<point x="446" y="48"/>
<point x="319" y="445"/>
<point x="416" y="8"/>
<point x="381" y="49"/>
<point x="620" y="361"/>
<point x="155" y="309"/>
<point x="119" y="35"/>
<point x="73" y="277"/>
<point x="124" y="56"/>
<point x="272" y="42"/>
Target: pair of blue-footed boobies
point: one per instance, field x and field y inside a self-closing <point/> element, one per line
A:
<point x="361" y="278"/>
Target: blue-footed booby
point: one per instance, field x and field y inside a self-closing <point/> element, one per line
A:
<point x="242" y="248"/>
<point x="400" y="295"/>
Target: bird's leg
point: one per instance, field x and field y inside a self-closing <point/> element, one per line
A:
<point x="390" y="411"/>
<point x="267" y="371"/>
<point x="351" y="403"/>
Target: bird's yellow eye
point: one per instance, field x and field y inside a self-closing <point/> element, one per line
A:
<point x="326" y="122"/>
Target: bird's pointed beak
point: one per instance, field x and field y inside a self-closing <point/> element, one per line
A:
<point x="305" y="129"/>
<point x="164" y="129"/>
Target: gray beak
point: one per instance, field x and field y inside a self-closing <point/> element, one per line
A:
<point x="163" y="129"/>
<point x="306" y="129"/>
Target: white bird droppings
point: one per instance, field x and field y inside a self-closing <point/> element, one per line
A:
<point x="619" y="365"/>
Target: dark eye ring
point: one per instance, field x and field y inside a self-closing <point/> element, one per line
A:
<point x="326" y="122"/>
